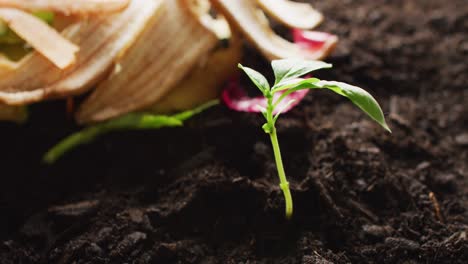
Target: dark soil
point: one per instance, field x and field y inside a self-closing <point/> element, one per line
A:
<point x="207" y="193"/>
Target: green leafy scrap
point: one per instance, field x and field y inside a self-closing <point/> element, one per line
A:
<point x="133" y="121"/>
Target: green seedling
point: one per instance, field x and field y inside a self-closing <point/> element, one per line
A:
<point x="133" y="121"/>
<point x="287" y="81"/>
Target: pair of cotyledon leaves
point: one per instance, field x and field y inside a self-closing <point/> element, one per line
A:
<point x="287" y="81"/>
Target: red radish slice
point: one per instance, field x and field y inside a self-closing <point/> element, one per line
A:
<point x="235" y="97"/>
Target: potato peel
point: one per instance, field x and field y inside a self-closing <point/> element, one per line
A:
<point x="292" y="14"/>
<point x="167" y="50"/>
<point x="141" y="54"/>
<point x="101" y="39"/>
<point x="205" y="81"/>
<point x="248" y="19"/>
<point x="44" y="39"/>
<point x="69" y="7"/>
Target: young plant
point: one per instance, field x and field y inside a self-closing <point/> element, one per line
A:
<point x="287" y="81"/>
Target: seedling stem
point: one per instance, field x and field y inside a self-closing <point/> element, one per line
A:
<point x="288" y="80"/>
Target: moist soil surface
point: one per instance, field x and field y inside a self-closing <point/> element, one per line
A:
<point x="208" y="192"/>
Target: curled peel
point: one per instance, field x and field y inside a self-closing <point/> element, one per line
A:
<point x="314" y="41"/>
<point x="101" y="40"/>
<point x="40" y="36"/>
<point x="145" y="54"/>
<point x="166" y="51"/>
<point x="292" y="14"/>
<point x="203" y="82"/>
<point x="68" y="7"/>
<point x="235" y="97"/>
<point x="248" y="19"/>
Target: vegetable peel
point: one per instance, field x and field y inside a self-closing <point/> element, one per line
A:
<point x="248" y="19"/>
<point x="47" y="41"/>
<point x="101" y="39"/>
<point x="133" y="121"/>
<point x="292" y="14"/>
<point x="151" y="73"/>
<point x="69" y="7"/>
<point x="137" y="54"/>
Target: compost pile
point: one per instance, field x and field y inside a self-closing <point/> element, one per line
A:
<point x="207" y="193"/>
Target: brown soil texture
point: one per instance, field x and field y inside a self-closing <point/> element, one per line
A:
<point x="207" y="193"/>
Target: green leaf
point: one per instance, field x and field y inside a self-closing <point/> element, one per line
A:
<point x="288" y="69"/>
<point x="133" y="121"/>
<point x="197" y="110"/>
<point x="297" y="84"/>
<point x="257" y="78"/>
<point x="359" y="97"/>
<point x="293" y="86"/>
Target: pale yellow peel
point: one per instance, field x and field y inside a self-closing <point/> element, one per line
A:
<point x="6" y="65"/>
<point x="44" y="39"/>
<point x="101" y="39"/>
<point x="292" y="14"/>
<point x="69" y="7"/>
<point x="205" y="82"/>
<point x="166" y="51"/>
<point x="248" y="19"/>
<point x="143" y="57"/>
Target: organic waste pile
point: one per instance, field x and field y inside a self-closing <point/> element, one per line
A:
<point x="207" y="192"/>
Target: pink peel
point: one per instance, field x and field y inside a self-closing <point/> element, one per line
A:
<point x="312" y="41"/>
<point x="235" y="97"/>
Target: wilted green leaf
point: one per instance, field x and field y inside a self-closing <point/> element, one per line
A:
<point x="133" y="121"/>
<point x="197" y="110"/>
<point x="128" y="122"/>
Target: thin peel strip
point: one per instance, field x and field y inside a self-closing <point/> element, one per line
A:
<point x="292" y="14"/>
<point x="44" y="39"/>
<point x="205" y="81"/>
<point x="69" y="7"/>
<point x="148" y="74"/>
<point x="245" y="17"/>
<point x="102" y="40"/>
